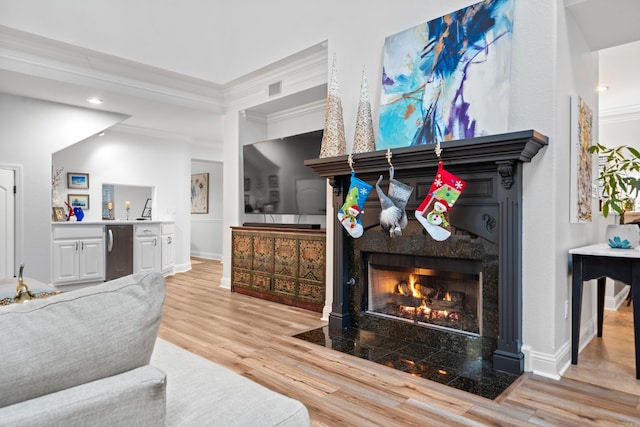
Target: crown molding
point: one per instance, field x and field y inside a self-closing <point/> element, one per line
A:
<point x="159" y="134"/>
<point x="297" y="72"/>
<point x="619" y="114"/>
<point x="45" y="58"/>
<point x="293" y="113"/>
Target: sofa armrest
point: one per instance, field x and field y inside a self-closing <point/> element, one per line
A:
<point x="136" y="397"/>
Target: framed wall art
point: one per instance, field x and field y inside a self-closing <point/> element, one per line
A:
<point x="78" y="180"/>
<point x="448" y="78"/>
<point x="200" y="193"/>
<point x="581" y="192"/>
<point x="79" y="201"/>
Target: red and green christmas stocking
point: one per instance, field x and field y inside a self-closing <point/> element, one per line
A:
<point x="433" y="212"/>
<point x="349" y="213"/>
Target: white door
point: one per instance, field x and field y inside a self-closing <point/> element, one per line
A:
<point x="310" y="197"/>
<point x="7" y="205"/>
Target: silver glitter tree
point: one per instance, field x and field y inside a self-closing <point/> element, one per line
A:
<point x="364" y="141"/>
<point x="333" y="142"/>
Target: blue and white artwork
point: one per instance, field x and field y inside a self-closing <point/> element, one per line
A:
<point x="449" y="78"/>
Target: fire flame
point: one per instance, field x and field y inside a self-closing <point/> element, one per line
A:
<point x="412" y="288"/>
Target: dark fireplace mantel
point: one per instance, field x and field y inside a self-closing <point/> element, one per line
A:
<point x="493" y="159"/>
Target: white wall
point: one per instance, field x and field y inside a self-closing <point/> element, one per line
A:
<point x="30" y="131"/>
<point x="132" y="159"/>
<point x="206" y="229"/>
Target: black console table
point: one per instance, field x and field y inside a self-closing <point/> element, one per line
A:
<point x="599" y="262"/>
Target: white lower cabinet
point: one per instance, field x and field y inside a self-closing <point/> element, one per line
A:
<point x="167" y="261"/>
<point x="146" y="247"/>
<point x="77" y="254"/>
<point x="78" y="251"/>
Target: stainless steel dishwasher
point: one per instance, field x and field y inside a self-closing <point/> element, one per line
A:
<point x="119" y="258"/>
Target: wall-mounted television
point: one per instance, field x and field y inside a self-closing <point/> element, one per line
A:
<point x="276" y="181"/>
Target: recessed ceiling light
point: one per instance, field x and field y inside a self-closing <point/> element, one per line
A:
<point x="94" y="100"/>
<point x="602" y="88"/>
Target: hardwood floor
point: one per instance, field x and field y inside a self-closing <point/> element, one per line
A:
<point x="254" y="338"/>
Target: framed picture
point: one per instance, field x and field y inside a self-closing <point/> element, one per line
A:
<point x="78" y="180"/>
<point x="581" y="184"/>
<point x="79" y="201"/>
<point x="273" y="181"/>
<point x="59" y="214"/>
<point x="274" y="196"/>
<point x="200" y="193"/>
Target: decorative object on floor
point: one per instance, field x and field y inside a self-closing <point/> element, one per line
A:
<point x="364" y="140"/>
<point x="23" y="293"/>
<point x="449" y="78"/>
<point x="78" y="180"/>
<point x="619" y="190"/>
<point x="393" y="217"/>
<point x="349" y="213"/>
<point x="443" y="193"/>
<point x="333" y="142"/>
<point x="581" y="160"/>
<point x="200" y="193"/>
<point x="623" y="236"/>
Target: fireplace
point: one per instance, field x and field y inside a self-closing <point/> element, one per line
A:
<point x="441" y="293"/>
<point x="480" y="265"/>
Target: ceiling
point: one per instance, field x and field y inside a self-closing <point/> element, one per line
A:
<point x="189" y="108"/>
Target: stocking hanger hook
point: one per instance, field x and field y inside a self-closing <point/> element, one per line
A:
<point x="350" y="161"/>
<point x="437" y="149"/>
<point x="388" y="156"/>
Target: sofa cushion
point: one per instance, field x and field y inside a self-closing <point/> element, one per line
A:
<point x="51" y="344"/>
<point x="202" y="393"/>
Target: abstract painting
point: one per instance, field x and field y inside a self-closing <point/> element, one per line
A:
<point x="200" y="193"/>
<point x="449" y="78"/>
<point x="581" y="161"/>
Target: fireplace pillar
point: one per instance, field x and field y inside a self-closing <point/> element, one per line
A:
<point x="340" y="316"/>
<point x="500" y="155"/>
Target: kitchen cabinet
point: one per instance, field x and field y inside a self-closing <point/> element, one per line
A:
<point x="77" y="254"/>
<point x="146" y="247"/>
<point x="167" y="254"/>
<point x="278" y="264"/>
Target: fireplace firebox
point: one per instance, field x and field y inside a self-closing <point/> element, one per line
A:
<point x="431" y="292"/>
<point x="484" y="253"/>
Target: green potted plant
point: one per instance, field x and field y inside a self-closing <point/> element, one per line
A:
<point x="619" y="191"/>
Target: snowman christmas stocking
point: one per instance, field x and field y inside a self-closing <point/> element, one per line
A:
<point x="433" y="212"/>
<point x="349" y="214"/>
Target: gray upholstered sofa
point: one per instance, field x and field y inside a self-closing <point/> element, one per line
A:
<point x="92" y="357"/>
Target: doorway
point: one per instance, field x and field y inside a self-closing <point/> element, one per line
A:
<point x="7" y="223"/>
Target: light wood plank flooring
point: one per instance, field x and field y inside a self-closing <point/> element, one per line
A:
<point x="254" y="338"/>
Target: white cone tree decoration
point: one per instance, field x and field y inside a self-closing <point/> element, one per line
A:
<point x="333" y="142"/>
<point x="364" y="141"/>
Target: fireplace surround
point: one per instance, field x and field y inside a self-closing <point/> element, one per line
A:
<point x="487" y="232"/>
